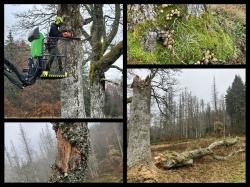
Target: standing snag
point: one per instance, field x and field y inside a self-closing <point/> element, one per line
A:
<point x="139" y="123"/>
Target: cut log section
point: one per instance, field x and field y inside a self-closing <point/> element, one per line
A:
<point x="171" y="159"/>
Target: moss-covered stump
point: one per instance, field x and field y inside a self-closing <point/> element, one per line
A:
<point x="169" y="160"/>
<point x="72" y="152"/>
<point x="200" y="37"/>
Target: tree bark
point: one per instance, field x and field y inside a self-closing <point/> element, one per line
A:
<point x="196" y="10"/>
<point x="140" y="13"/>
<point x="72" y="87"/>
<point x="72" y="152"/>
<point x="169" y="160"/>
<point x="139" y="123"/>
<point x="97" y="103"/>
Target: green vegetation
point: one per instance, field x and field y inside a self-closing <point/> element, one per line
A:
<point x="135" y="50"/>
<point x="216" y="31"/>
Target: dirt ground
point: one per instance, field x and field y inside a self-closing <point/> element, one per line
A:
<point x="204" y="170"/>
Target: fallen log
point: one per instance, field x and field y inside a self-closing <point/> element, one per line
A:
<point x="172" y="159"/>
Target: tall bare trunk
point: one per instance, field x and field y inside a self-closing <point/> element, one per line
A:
<point x="72" y="87"/>
<point x="139" y="124"/>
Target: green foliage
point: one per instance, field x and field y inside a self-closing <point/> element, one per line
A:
<point x="195" y="35"/>
<point x="236" y="104"/>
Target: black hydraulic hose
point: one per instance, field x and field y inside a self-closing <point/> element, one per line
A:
<point x="13" y="80"/>
<point x="15" y="70"/>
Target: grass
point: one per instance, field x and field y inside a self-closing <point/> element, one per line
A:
<point x="137" y="54"/>
<point x="204" y="170"/>
<point x="221" y="30"/>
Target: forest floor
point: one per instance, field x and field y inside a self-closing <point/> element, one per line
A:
<point x="220" y="32"/>
<point x="109" y="178"/>
<point x="204" y="170"/>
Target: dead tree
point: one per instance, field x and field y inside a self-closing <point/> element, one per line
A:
<point x="139" y="121"/>
<point x="169" y="160"/>
<point x="28" y="153"/>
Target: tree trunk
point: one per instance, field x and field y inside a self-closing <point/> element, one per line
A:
<point x="170" y="160"/>
<point x="72" y="152"/>
<point x="196" y="10"/>
<point x="102" y="57"/>
<point x="141" y="13"/>
<point x="97" y="103"/>
<point x="96" y="73"/>
<point x="72" y="87"/>
<point x="139" y="124"/>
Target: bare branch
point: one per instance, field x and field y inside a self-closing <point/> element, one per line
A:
<point x="107" y="80"/>
<point x="116" y="67"/>
<point x="114" y="29"/>
<point x="107" y="60"/>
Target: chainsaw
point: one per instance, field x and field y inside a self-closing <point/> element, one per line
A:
<point x="67" y="33"/>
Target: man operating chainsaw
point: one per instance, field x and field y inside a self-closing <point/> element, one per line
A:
<point x="54" y="34"/>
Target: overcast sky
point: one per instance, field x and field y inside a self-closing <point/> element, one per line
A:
<point x="12" y="132"/>
<point x="199" y="81"/>
<point x="33" y="130"/>
<point x="10" y="20"/>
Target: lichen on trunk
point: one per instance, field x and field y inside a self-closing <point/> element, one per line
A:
<point x="196" y="10"/>
<point x="72" y="152"/>
<point x="97" y="100"/>
<point x="140" y="13"/>
<point x="71" y="87"/>
<point x="139" y="123"/>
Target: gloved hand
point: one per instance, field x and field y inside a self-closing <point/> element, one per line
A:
<point x="66" y="34"/>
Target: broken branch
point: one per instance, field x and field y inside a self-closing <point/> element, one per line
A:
<point x="173" y="159"/>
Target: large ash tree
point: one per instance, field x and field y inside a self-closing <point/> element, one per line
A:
<point x="102" y="45"/>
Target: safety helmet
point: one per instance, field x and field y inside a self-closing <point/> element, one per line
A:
<point x="58" y="20"/>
